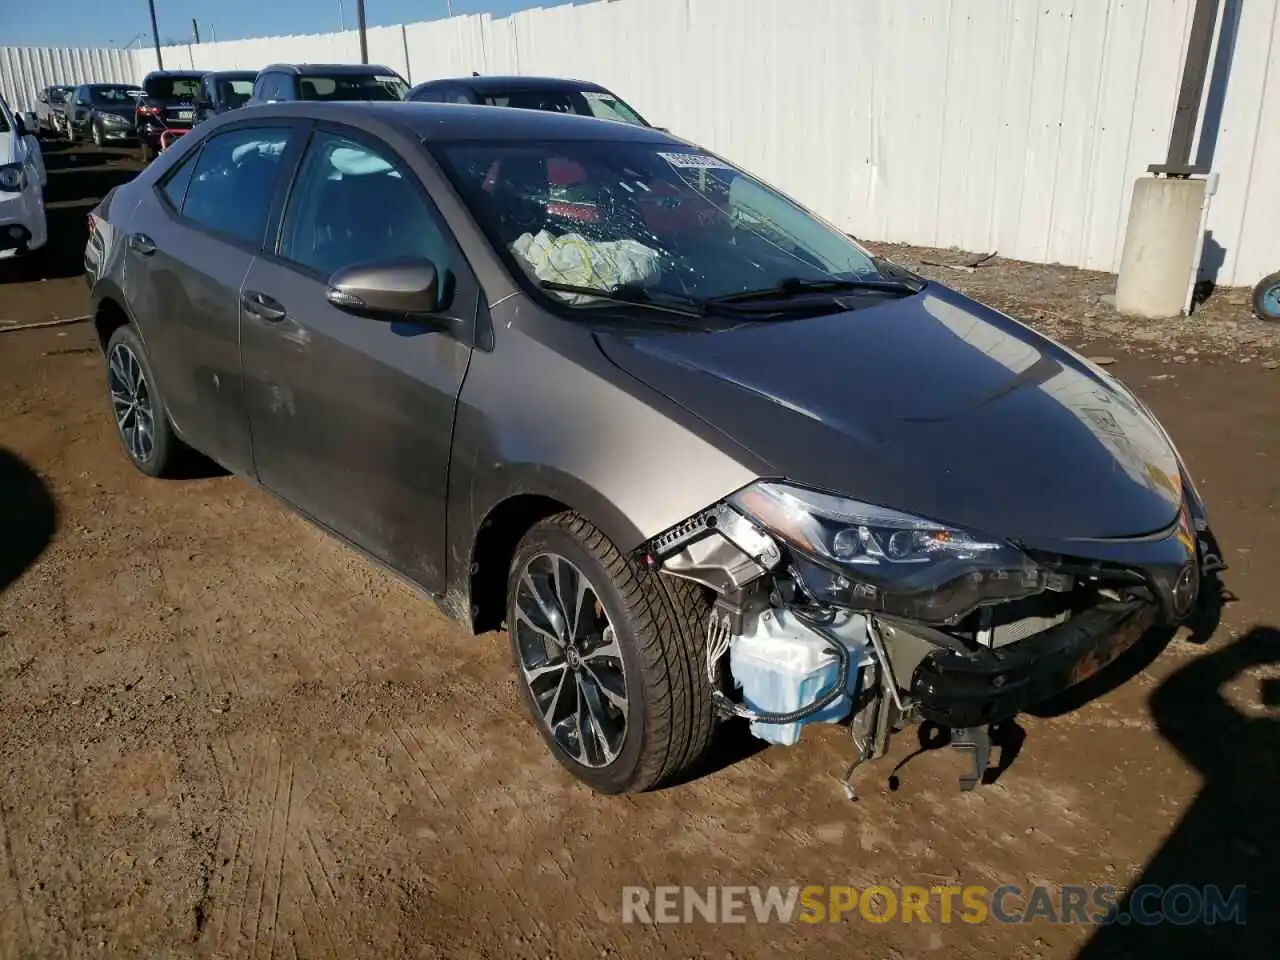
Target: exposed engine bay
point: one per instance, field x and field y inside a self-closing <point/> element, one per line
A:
<point x="827" y="610"/>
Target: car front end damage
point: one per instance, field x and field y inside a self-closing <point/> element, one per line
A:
<point x="831" y="610"/>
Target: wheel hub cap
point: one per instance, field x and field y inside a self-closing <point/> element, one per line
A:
<point x="131" y="402"/>
<point x="570" y="660"/>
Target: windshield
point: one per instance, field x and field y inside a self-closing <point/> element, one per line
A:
<point x="586" y="103"/>
<point x="235" y="93"/>
<point x="172" y="88"/>
<point x="662" y="217"/>
<point x="353" y="87"/>
<point x="59" y="95"/>
<point x="114" y="95"/>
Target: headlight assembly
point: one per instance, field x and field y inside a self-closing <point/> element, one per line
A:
<point x="111" y="120"/>
<point x="873" y="558"/>
<point x="11" y="178"/>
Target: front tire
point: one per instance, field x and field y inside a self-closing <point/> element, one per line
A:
<point x="1266" y="298"/>
<point x="97" y="134"/>
<point x="138" y="408"/>
<point x="609" y="656"/>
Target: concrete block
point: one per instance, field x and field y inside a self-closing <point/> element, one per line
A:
<point x="1161" y="247"/>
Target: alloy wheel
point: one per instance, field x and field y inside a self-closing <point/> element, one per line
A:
<point x="570" y="660"/>
<point x="131" y="402"/>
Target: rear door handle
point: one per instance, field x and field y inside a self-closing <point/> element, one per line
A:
<point x="141" y="243"/>
<point x="263" y="307"/>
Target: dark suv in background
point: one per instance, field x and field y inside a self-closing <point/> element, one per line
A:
<point x="222" y="91"/>
<point x="167" y="106"/>
<point x="327" y="81"/>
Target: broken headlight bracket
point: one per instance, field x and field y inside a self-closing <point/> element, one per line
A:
<point x="731" y="554"/>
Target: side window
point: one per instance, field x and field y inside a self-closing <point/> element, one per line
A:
<point x="175" y="184"/>
<point x="430" y="95"/>
<point x="459" y="95"/>
<point x="234" y="181"/>
<point x="351" y="204"/>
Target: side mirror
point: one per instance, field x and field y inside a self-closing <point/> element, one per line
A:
<point x="396" y="290"/>
<point x="41" y="97"/>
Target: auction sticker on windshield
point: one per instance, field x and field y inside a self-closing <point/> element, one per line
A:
<point x="695" y="161"/>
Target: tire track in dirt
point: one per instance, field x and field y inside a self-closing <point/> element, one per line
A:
<point x="11" y="900"/>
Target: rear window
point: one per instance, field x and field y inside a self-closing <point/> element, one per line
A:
<point x="172" y="88"/>
<point x="352" y="87"/>
<point x="115" y="94"/>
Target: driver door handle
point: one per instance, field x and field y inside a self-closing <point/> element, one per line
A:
<point x="262" y="306"/>
<point x="141" y="243"/>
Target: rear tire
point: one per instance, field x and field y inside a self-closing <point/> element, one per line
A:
<point x="630" y="707"/>
<point x="138" y="408"/>
<point x="1266" y="298"/>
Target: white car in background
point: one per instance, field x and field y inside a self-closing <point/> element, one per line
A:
<point x="22" y="181"/>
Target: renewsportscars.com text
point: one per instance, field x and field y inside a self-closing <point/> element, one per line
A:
<point x="1145" y="905"/>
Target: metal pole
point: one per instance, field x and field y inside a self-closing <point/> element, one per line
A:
<point x="448" y="5"/>
<point x="1199" y="47"/>
<point x="364" y="40"/>
<point x="342" y="19"/>
<point x="155" y="35"/>
<point x="195" y="29"/>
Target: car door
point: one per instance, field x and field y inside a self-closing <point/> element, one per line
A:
<point x="352" y="418"/>
<point x="192" y="244"/>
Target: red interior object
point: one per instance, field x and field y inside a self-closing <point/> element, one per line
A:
<point x="167" y="138"/>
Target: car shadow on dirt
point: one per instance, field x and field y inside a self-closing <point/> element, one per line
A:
<point x="28" y="517"/>
<point x="1228" y="841"/>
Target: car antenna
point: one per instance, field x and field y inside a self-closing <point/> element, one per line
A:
<point x="475" y="73"/>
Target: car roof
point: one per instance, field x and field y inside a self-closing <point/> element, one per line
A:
<point x="330" y="69"/>
<point x="452" y="121"/>
<point x="489" y="84"/>
<point x="176" y="74"/>
<point x="233" y="74"/>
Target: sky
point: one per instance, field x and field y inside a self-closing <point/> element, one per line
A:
<point x="114" y="23"/>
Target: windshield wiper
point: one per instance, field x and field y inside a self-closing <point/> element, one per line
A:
<point x="799" y="286"/>
<point x="635" y="296"/>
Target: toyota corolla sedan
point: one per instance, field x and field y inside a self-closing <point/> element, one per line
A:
<point x="702" y="454"/>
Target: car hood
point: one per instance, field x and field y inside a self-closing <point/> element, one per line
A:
<point x="932" y="404"/>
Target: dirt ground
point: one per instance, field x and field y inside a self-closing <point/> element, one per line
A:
<point x="224" y="734"/>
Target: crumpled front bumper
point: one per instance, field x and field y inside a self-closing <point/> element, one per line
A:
<point x="972" y="688"/>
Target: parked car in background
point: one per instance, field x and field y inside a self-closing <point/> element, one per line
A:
<point x="22" y="181"/>
<point x="283" y="82"/>
<point x="103" y="112"/>
<point x="222" y="91"/>
<point x="50" y="105"/>
<point x="728" y="463"/>
<point x="167" y="108"/>
<point x="530" y="93"/>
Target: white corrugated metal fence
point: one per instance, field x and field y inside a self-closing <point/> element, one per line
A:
<point x="25" y="70"/>
<point x="1016" y="126"/>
